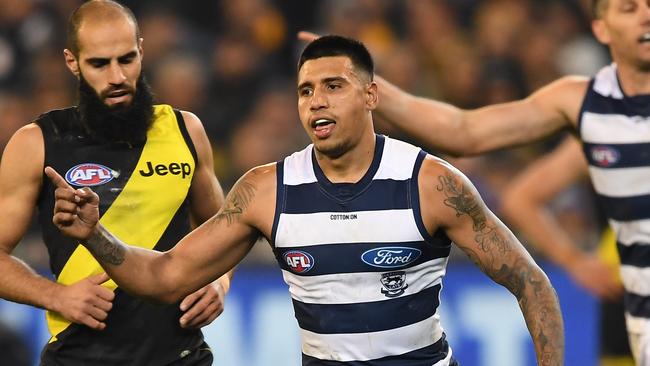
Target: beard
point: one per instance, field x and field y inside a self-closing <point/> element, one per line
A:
<point x="118" y="123"/>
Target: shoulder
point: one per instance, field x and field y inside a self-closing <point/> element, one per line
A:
<point x="198" y="136"/>
<point x="193" y="124"/>
<point x="434" y="167"/>
<point x="262" y="175"/>
<point x="24" y="154"/>
<point x="29" y="136"/>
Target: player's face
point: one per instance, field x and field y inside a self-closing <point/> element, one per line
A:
<point x="110" y="59"/>
<point x="334" y="103"/>
<point x="625" y="28"/>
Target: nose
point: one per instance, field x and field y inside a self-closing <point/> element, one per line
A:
<point x="116" y="74"/>
<point x="318" y="100"/>
<point x="644" y="9"/>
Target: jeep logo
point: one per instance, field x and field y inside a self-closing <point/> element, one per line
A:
<point x="161" y="169"/>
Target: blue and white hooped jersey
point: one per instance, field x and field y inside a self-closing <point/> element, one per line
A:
<point x="363" y="273"/>
<point x="615" y="130"/>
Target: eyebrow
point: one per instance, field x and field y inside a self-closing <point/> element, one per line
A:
<point x="324" y="81"/>
<point x="106" y="59"/>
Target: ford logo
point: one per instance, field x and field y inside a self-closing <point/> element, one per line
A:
<point x="390" y="257"/>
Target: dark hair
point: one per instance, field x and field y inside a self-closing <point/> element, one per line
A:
<point x="597" y="8"/>
<point x="332" y="46"/>
<point x="105" y="6"/>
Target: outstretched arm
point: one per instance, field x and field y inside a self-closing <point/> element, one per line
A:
<point x="467" y="132"/>
<point x="450" y="201"/>
<point x="524" y="204"/>
<point x="198" y="259"/>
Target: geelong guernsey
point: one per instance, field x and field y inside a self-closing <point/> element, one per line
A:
<point x="364" y="274"/>
<point x="144" y="201"/>
<point x="615" y="129"/>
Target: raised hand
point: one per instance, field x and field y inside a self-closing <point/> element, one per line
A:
<point x="203" y="306"/>
<point x="86" y="302"/>
<point x="597" y="277"/>
<point x="76" y="211"/>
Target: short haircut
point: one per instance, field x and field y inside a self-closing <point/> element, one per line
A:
<point x="598" y="8"/>
<point x="332" y="46"/>
<point x="104" y="8"/>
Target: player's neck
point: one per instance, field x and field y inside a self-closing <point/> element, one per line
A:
<point x="352" y="165"/>
<point x="633" y="80"/>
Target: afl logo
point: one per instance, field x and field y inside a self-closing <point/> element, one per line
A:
<point x="89" y="174"/>
<point x="390" y="257"/>
<point x="299" y="261"/>
<point x="605" y="155"/>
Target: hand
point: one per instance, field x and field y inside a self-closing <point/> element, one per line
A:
<point x="76" y="211"/>
<point x="596" y="276"/>
<point x="86" y="302"/>
<point x="203" y="306"/>
<point x="307" y="36"/>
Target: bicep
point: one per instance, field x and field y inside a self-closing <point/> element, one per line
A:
<point x="460" y="211"/>
<point x="20" y="183"/>
<point x="550" y="109"/>
<point x="220" y="243"/>
<point x="208" y="252"/>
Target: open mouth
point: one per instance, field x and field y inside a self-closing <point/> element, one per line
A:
<point x="322" y="123"/>
<point x="323" y="127"/>
<point x="645" y="37"/>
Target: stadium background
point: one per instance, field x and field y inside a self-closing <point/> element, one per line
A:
<point x="232" y="62"/>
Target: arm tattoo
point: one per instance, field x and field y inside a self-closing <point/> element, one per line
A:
<point x="464" y="202"/>
<point x="236" y="202"/>
<point x="106" y="247"/>
<point x="535" y="295"/>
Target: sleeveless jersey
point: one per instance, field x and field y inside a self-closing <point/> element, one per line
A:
<point x="364" y="274"/>
<point x="615" y="130"/>
<point x="143" y="201"/>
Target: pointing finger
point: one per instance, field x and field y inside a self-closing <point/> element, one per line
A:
<point x="56" y="179"/>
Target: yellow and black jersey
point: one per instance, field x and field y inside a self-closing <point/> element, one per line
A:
<point x="143" y="201"/>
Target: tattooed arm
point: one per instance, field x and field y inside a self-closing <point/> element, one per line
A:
<point x="198" y="259"/>
<point x="450" y="202"/>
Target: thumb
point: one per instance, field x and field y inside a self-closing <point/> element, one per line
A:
<point x="88" y="195"/>
<point x="56" y="178"/>
<point x="98" y="279"/>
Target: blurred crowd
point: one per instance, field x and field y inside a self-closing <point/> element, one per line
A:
<point x="232" y="62"/>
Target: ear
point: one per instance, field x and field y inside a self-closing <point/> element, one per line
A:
<point x="71" y="62"/>
<point x="372" y="96"/>
<point x="601" y="31"/>
<point x="140" y="49"/>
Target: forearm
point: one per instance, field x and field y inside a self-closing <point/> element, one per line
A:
<point x="541" y="309"/>
<point x="20" y="283"/>
<point x="131" y="267"/>
<point x="544" y="233"/>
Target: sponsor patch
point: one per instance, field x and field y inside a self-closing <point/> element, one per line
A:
<point x="390" y="257"/>
<point x="299" y="261"/>
<point x="89" y="174"/>
<point x="394" y="283"/>
<point x="605" y="155"/>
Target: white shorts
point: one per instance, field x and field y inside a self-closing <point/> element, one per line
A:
<point x="639" y="336"/>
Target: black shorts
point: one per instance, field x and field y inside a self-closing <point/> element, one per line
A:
<point x="201" y="356"/>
